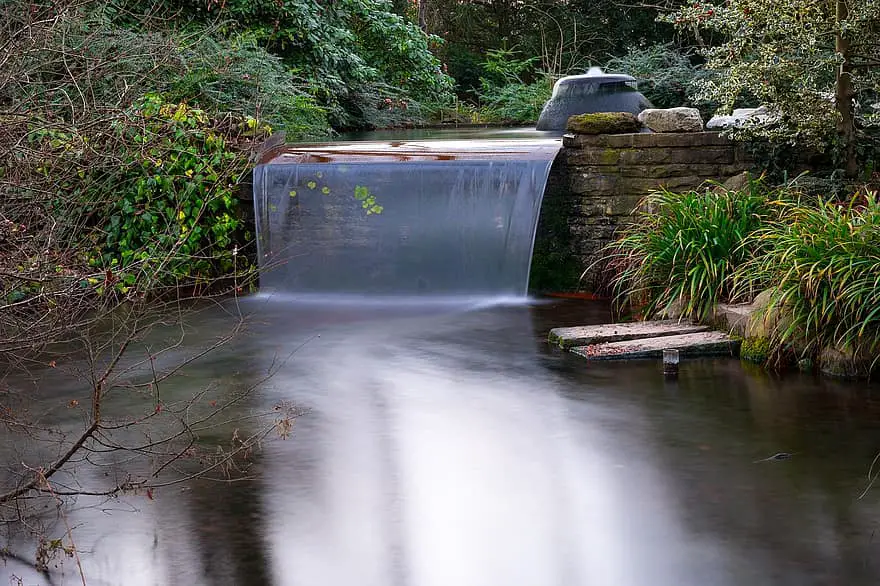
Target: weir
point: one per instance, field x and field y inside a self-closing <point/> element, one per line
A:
<point x="432" y="218"/>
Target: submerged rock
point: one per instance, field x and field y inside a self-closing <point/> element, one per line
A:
<point x="603" y="123"/>
<point x="672" y="119"/>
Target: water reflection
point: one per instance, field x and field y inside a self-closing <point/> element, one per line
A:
<point x="456" y="448"/>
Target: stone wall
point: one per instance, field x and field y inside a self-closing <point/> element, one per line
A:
<point x="598" y="180"/>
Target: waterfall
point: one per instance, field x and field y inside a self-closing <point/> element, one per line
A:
<point x="438" y="218"/>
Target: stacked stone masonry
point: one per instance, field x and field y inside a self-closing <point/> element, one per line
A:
<point x="596" y="183"/>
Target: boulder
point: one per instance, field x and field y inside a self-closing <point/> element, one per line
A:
<point x="737" y="119"/>
<point x="735" y="183"/>
<point x="672" y="119"/>
<point x="844" y="363"/>
<point x="675" y="310"/>
<point x="733" y="318"/>
<point x="764" y="320"/>
<point x="603" y="123"/>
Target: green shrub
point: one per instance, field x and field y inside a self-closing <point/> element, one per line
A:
<point x="148" y="201"/>
<point x="511" y="91"/>
<point x="174" y="217"/>
<point x="683" y="248"/>
<point x="346" y="52"/>
<point x="515" y="103"/>
<point x="823" y="262"/>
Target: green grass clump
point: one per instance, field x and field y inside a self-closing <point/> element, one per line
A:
<point x="684" y="248"/>
<point x="823" y="262"/>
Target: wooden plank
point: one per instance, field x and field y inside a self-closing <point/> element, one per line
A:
<point x="586" y="335"/>
<point x="688" y="345"/>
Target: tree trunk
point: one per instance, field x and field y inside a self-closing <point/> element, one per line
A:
<point x="423" y="15"/>
<point x="843" y="96"/>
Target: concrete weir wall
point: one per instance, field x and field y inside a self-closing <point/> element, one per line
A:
<point x="598" y="180"/>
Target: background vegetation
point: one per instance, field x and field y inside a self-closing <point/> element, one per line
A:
<point x="128" y="126"/>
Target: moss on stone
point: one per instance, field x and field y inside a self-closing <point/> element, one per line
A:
<point x="755" y="349"/>
<point x="609" y="157"/>
<point x="603" y="123"/>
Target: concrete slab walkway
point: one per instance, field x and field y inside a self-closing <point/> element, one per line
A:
<point x="703" y="343"/>
<point x="587" y="335"/>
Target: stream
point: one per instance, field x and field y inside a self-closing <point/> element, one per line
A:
<point x="448" y="444"/>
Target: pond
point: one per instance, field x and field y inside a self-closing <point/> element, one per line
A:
<point x="449" y="444"/>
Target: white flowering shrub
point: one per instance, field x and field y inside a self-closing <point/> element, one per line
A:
<point x="807" y="61"/>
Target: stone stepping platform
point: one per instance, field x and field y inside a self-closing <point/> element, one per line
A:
<point x="705" y="343"/>
<point x="588" y="335"/>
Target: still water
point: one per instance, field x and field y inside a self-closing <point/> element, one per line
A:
<point x="449" y="445"/>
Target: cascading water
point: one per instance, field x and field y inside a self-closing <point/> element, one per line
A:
<point x="440" y="218"/>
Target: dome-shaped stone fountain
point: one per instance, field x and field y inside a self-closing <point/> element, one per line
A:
<point x="593" y="91"/>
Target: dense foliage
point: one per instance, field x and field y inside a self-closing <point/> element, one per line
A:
<point x="109" y="189"/>
<point x="176" y="216"/>
<point x="808" y="62"/>
<point x="564" y="36"/>
<point x="351" y="55"/>
<point x="506" y="95"/>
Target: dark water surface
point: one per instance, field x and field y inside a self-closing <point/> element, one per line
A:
<point x="453" y="447"/>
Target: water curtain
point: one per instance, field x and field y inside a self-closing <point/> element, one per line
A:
<point x="438" y="218"/>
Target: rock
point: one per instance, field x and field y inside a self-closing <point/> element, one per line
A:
<point x="842" y="363"/>
<point x="765" y="320"/>
<point x="603" y="123"/>
<point x="674" y="310"/>
<point x="733" y="318"/>
<point x="747" y="320"/>
<point x="672" y="119"/>
<point x="762" y="300"/>
<point x="738" y="118"/>
<point x="737" y="182"/>
<point x="805" y="365"/>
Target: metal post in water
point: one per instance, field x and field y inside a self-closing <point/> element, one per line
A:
<point x="670" y="363"/>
